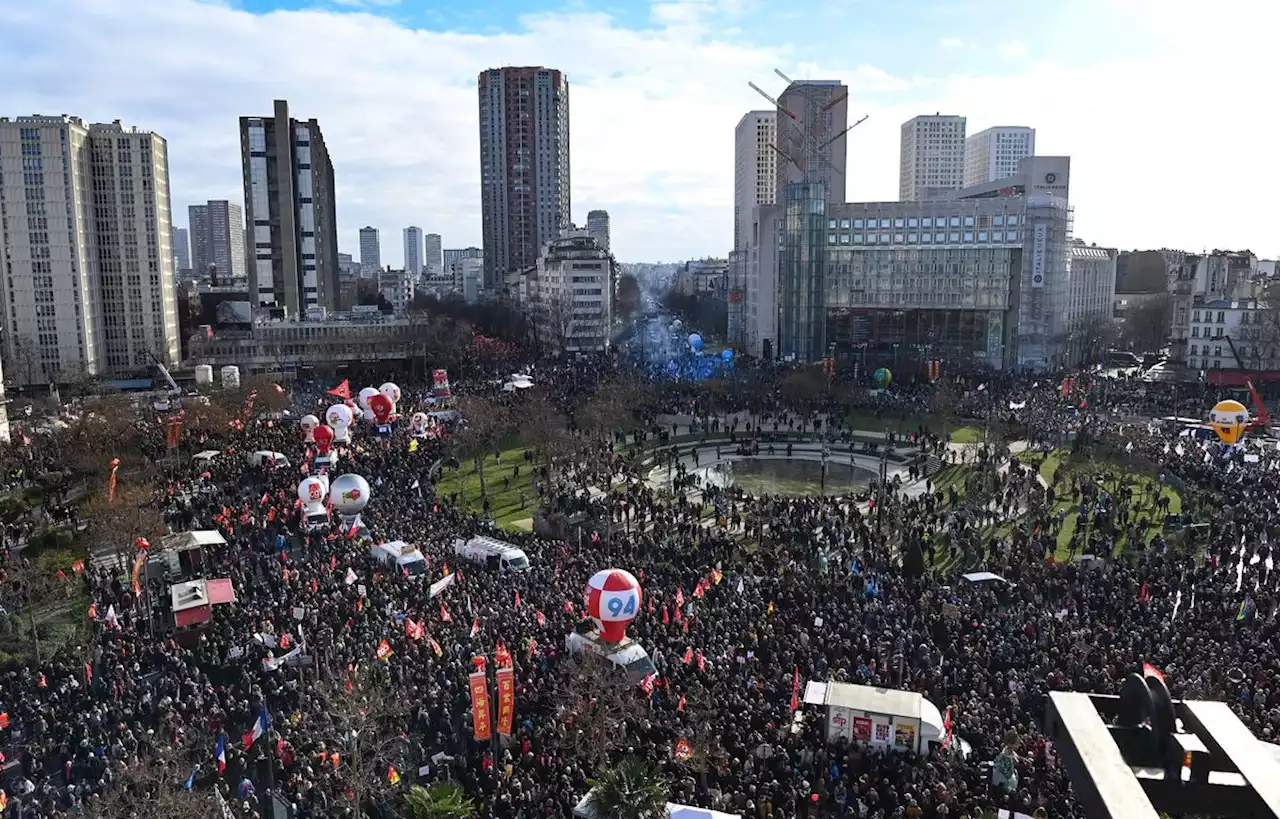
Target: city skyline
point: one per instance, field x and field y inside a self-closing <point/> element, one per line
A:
<point x="670" y="195"/>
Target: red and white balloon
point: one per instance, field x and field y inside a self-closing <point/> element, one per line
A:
<point x="613" y="601"/>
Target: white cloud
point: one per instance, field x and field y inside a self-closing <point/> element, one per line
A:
<point x="1014" y="49"/>
<point x="952" y="43"/>
<point x="1166" y="150"/>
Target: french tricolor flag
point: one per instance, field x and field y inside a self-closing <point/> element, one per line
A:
<point x="260" y="726"/>
<point x="220" y="753"/>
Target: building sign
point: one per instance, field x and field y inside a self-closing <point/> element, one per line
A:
<point x="1039" y="254"/>
<point x="839" y="723"/>
<point x="995" y="333"/>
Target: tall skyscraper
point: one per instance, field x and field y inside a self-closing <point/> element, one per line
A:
<point x="598" y="228"/>
<point x="931" y="157"/>
<point x="755" y="170"/>
<point x="812" y="138"/>
<point x="89" y="278"/>
<point x="181" y="249"/>
<point x="370" y="252"/>
<point x="217" y="240"/>
<point x="433" y="259"/>
<point x="524" y="166"/>
<point x="995" y="153"/>
<point x="291" y="212"/>
<point x="413" y="250"/>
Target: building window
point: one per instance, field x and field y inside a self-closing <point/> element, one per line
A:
<point x="1012" y="220"/>
<point x="844" y="238"/>
<point x="968" y="221"/>
<point x="968" y="236"/>
<point x="899" y="223"/>
<point x="844" y="224"/>
<point x="1221" y="317"/>
<point x="926" y="222"/>
<point x="884" y="237"/>
<point x="955" y="221"/>
<point x="831" y="238"/>
<point x="857" y="238"/>
<point x="913" y="222"/>
<point x="982" y="236"/>
<point x="997" y="220"/>
<point x="955" y="237"/>
<point x="831" y="224"/>
<point x="911" y="238"/>
<point x="1195" y="316"/>
<point x="857" y="223"/>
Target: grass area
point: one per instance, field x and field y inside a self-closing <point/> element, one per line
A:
<point x="511" y="496"/>
<point x="966" y="435"/>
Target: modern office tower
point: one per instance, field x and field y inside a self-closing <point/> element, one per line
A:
<point x="432" y="258"/>
<point x="217" y="240"/>
<point x="413" y="250"/>
<point x="524" y="166"/>
<point x="755" y="170"/>
<point x="291" y="213"/>
<point x="598" y="228"/>
<point x="996" y="153"/>
<point x="181" y="249"/>
<point x="931" y="159"/>
<point x="812" y="138"/>
<point x="370" y="252"/>
<point x="87" y="249"/>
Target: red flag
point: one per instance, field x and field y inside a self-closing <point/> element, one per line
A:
<point x="679" y="597"/>
<point x="475" y="625"/>
<point x="665" y="618"/>
<point x="444" y="614"/>
<point x="414" y="630"/>
<point x="88" y="673"/>
<point x="679" y="617"/>
<point x="284" y="641"/>
<point x="342" y="391"/>
<point x="697" y="590"/>
<point x="1143" y="594"/>
<point x="646" y="685"/>
<point x="683" y="749"/>
<point x="702" y="663"/>
<point x="688" y="655"/>
<point x="1149" y="670"/>
<point x="680" y="705"/>
<point x="795" y="691"/>
<point x="333" y="562"/>
<point x="542" y="620"/>
<point x="568" y="607"/>
<point x="384" y="650"/>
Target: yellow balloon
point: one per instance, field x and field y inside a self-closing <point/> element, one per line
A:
<point x="1229" y="419"/>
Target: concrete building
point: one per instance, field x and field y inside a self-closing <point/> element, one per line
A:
<point x="469" y="279"/>
<point x="1091" y="300"/>
<point x="397" y="287"/>
<point x="348" y="267"/>
<point x="87" y="249"/>
<point x="453" y="256"/>
<point x="598" y="228"/>
<point x="432" y="258"/>
<point x="981" y="277"/>
<point x="703" y="277"/>
<point x="1200" y="278"/>
<point x="181" y="249"/>
<point x="931" y="157"/>
<point x="1250" y="325"/>
<point x="524" y="166"/>
<point x="413" y="251"/>
<point x="755" y="169"/>
<point x="995" y="153"/>
<point x="218" y="244"/>
<point x="571" y="295"/>
<point x="812" y="138"/>
<point x="370" y="252"/>
<point x="291" y="213"/>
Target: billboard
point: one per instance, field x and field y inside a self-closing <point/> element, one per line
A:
<point x="1039" y="254"/>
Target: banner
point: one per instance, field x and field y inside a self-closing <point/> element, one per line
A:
<point x="111" y="482"/>
<point x="173" y="433"/>
<point x="506" y="700"/>
<point x="480" y="705"/>
<point x="441" y="585"/>
<point x="1039" y="252"/>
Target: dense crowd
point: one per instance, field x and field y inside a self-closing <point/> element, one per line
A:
<point x="741" y="602"/>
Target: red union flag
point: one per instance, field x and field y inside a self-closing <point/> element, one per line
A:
<point x="506" y="700"/>
<point x="480" y="705"/>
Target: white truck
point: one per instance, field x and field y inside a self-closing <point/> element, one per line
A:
<point x="628" y="655"/>
<point x="492" y="553"/>
<point x="405" y="557"/>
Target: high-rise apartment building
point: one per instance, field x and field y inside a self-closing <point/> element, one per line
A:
<point x="996" y="152"/>
<point x="370" y="252"/>
<point x="217" y="239"/>
<point x="755" y="170"/>
<point x="932" y="156"/>
<point x="433" y="255"/>
<point x="291" y="212"/>
<point x="87" y="249"/>
<point x="812" y="139"/>
<point x="413" y="251"/>
<point x="598" y="228"/>
<point x="181" y="249"/>
<point x="524" y="166"/>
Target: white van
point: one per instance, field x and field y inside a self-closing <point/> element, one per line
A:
<point x="628" y="655"/>
<point x="492" y="553"/>
<point x="402" y="555"/>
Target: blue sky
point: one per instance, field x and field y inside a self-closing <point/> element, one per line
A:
<point x="1166" y="112"/>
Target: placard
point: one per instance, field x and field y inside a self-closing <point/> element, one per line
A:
<point x="862" y="729"/>
<point x="479" y="684"/>
<point x="506" y="700"/>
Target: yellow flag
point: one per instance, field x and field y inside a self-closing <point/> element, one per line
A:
<point x="413" y="445"/>
<point x="771" y="607"/>
<point x="393" y="776"/>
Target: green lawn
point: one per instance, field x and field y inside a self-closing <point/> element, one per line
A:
<point x="506" y="490"/>
<point x="966" y="435"/>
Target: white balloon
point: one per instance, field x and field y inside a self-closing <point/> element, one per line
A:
<point x="419" y="421"/>
<point x="369" y="416"/>
<point x="349" y="494"/>
<point x="312" y="490"/>
<point x="338" y="415"/>
<point x="309" y="424"/>
<point x="391" y="391"/>
<point x="365" y="394"/>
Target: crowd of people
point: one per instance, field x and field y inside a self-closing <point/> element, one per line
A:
<point x="333" y="683"/>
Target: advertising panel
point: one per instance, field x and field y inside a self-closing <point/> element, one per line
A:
<point x="1039" y="254"/>
<point x="839" y="723"/>
<point x="506" y="700"/>
<point x="480" y="705"/>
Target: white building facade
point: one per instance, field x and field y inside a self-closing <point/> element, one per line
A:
<point x="87" y="248"/>
<point x="755" y="169"/>
<point x="413" y="250"/>
<point x="370" y="252"/>
<point x="931" y="157"/>
<point x="398" y="288"/>
<point x="433" y="255"/>
<point x="994" y="153"/>
<point x="573" y="296"/>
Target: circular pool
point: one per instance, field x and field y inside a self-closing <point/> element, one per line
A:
<point x="790" y="476"/>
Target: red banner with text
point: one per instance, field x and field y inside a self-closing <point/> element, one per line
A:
<point x="506" y="700"/>
<point x="480" y="705"/>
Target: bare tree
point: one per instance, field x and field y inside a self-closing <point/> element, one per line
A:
<point x="114" y="526"/>
<point x="153" y="785"/>
<point x="556" y="314"/>
<point x="599" y="701"/>
<point x="486" y="425"/>
<point x="1148" y="323"/>
<point x="1089" y="337"/>
<point x="365" y="724"/>
<point x="23" y="363"/>
<point x="1258" y="342"/>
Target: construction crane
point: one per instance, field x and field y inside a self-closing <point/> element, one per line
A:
<point x="1261" y="418"/>
<point x="174" y="389"/>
